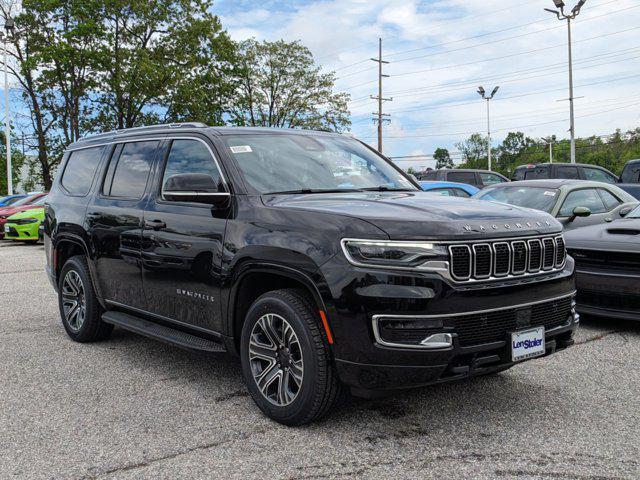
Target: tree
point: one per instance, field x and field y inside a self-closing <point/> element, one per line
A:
<point x="442" y="158"/>
<point x="514" y="146"/>
<point x="279" y="85"/>
<point x="474" y="151"/>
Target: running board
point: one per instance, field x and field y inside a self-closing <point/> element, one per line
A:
<point x="162" y="333"/>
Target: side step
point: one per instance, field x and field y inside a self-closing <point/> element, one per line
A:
<point x="162" y="333"/>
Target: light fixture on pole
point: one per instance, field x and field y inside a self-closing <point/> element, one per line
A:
<point x="482" y="93"/>
<point x="568" y="17"/>
<point x="9" y="26"/>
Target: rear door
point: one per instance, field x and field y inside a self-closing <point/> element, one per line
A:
<point x="463" y="177"/>
<point x="182" y="240"/>
<point x="114" y="222"/>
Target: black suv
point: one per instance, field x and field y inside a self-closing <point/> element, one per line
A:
<point x="575" y="171"/>
<point x="477" y="178"/>
<point x="316" y="261"/>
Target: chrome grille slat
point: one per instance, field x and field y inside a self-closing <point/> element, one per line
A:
<point x="476" y="261"/>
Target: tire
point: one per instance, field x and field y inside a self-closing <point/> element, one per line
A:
<point x="290" y="392"/>
<point x="75" y="285"/>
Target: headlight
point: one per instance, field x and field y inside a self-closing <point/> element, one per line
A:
<point x="24" y="221"/>
<point x="380" y="253"/>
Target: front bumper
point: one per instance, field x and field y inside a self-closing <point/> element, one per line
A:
<point x="613" y="294"/>
<point x="29" y="231"/>
<point x="360" y="296"/>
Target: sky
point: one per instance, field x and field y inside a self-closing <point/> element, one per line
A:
<point x="440" y="51"/>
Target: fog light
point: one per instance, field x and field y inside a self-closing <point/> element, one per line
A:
<point x="438" y="340"/>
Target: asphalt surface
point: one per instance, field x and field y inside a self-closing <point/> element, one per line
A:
<point x="133" y="408"/>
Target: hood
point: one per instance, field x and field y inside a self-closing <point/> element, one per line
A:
<point x="623" y="234"/>
<point x="8" y="211"/>
<point x="32" y="212"/>
<point x="421" y="215"/>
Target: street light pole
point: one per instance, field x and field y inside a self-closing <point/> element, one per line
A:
<point x="9" y="26"/>
<point x="562" y="16"/>
<point x="482" y="93"/>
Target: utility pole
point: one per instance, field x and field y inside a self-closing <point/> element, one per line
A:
<point x="550" y="141"/>
<point x="9" y="26"/>
<point x="482" y="93"/>
<point x="562" y="16"/>
<point x="380" y="117"/>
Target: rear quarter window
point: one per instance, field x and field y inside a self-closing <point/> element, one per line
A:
<point x="80" y="169"/>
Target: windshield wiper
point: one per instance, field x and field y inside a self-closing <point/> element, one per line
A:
<point x="316" y="190"/>
<point x="383" y="188"/>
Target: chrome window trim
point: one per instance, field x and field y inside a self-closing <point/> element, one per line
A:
<point x="376" y="318"/>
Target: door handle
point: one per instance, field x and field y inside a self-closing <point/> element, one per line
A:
<point x="155" y="224"/>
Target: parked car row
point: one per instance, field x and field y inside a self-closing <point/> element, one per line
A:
<point x="21" y="217"/>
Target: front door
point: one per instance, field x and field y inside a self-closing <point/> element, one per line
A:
<point x="182" y="242"/>
<point x="114" y="221"/>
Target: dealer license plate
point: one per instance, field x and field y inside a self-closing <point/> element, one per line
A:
<point x="527" y="344"/>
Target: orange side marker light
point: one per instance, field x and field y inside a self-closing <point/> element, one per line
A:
<point x="325" y="324"/>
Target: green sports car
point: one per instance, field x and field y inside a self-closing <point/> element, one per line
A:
<point x="24" y="225"/>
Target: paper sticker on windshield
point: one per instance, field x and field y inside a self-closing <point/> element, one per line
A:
<point x="550" y="194"/>
<point x="241" y="149"/>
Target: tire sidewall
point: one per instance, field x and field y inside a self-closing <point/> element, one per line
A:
<point x="298" y="408"/>
<point x="92" y="307"/>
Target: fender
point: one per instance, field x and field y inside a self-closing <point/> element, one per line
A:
<point x="267" y="267"/>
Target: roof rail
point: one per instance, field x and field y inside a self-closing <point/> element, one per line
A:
<point x="161" y="126"/>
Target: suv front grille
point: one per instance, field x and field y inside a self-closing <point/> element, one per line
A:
<point x="478" y="328"/>
<point x="506" y="258"/>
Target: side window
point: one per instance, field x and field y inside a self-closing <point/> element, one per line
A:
<point x="462" y="177"/>
<point x="587" y="197"/>
<point x="447" y="192"/>
<point x="609" y="199"/>
<point x="518" y="174"/>
<point x="568" y="172"/>
<point x="536" y="173"/>
<point x="631" y="173"/>
<point x="191" y="156"/>
<point x="129" y="170"/>
<point x="80" y="169"/>
<point x="429" y="175"/>
<point x="461" y="193"/>
<point x="597" y="175"/>
<point x="490" y="178"/>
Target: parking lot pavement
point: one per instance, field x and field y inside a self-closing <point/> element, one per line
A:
<point x="133" y="408"/>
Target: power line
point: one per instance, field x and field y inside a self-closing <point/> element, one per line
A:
<point x="381" y="117"/>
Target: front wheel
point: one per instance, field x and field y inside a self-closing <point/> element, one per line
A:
<point x="79" y="307"/>
<point x="285" y="359"/>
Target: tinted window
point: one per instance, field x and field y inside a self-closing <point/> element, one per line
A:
<point x="568" y="172"/>
<point x="531" y="197"/>
<point x="131" y="170"/>
<point x="80" y="169"/>
<point x="447" y="192"/>
<point x="519" y="174"/>
<point x="536" y="173"/>
<point x="490" y="178"/>
<point x="587" y="197"/>
<point x="429" y="176"/>
<point x="631" y="173"/>
<point x="461" y="193"/>
<point x="273" y="163"/>
<point x="598" y="175"/>
<point x="609" y="199"/>
<point x="462" y="177"/>
<point x="191" y="156"/>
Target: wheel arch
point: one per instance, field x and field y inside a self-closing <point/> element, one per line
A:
<point x="67" y="246"/>
<point x="255" y="279"/>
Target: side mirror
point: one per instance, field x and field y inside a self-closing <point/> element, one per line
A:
<point x="579" y="212"/>
<point x="193" y="187"/>
<point x="625" y="211"/>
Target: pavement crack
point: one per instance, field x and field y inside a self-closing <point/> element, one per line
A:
<point x="170" y="456"/>
<point x="598" y="337"/>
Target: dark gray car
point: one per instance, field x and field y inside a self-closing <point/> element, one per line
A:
<point x="574" y="203"/>
<point x="607" y="267"/>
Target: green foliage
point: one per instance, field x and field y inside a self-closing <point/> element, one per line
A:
<point x="474" y="151"/>
<point x="442" y="158"/>
<point x="279" y="85"/>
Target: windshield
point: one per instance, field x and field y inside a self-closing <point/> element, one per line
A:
<point x="530" y="197"/>
<point x="287" y="163"/>
<point x="635" y="213"/>
<point x="25" y="201"/>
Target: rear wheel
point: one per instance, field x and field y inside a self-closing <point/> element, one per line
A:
<point x="79" y="307"/>
<point x="285" y="359"/>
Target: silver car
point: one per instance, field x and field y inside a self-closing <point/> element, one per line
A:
<point x="574" y="203"/>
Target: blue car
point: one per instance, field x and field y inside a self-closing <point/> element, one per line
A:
<point x="10" y="199"/>
<point x="450" y="189"/>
